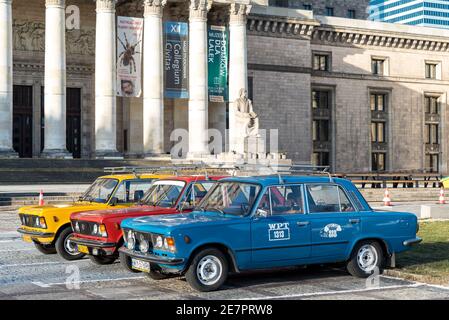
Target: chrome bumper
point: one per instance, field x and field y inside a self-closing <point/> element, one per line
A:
<point x="151" y="258"/>
<point x="412" y="242"/>
<point x="36" y="234"/>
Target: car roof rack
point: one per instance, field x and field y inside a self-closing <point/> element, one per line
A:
<point x="137" y="171"/>
<point x="269" y="169"/>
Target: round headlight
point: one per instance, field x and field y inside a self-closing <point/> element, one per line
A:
<point x="131" y="241"/>
<point x="37" y="222"/>
<point x="143" y="245"/>
<point x="159" y="242"/>
<point x="95" y="229"/>
<point x="77" y="227"/>
<point x="165" y="243"/>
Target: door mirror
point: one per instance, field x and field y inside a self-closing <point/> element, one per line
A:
<point x="113" y="202"/>
<point x="260" y="213"/>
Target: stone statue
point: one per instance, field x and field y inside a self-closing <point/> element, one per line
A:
<point x="246" y="116"/>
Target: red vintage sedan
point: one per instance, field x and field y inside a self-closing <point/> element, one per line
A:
<point x="98" y="233"/>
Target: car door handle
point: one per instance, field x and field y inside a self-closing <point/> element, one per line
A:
<point x="302" y="223"/>
<point x="354" y="221"/>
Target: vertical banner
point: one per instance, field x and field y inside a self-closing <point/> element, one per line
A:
<point x="129" y="56"/>
<point x="176" y="62"/>
<point x="218" y="56"/>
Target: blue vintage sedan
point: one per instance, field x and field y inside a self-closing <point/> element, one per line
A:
<point x="265" y="222"/>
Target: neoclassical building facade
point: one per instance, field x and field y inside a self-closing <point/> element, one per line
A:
<point x="353" y="94"/>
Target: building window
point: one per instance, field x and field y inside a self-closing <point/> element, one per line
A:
<point x="279" y="3"/>
<point x="329" y="11"/>
<point x="378" y="102"/>
<point x="432" y="162"/>
<point x="378" y="161"/>
<point x="320" y="159"/>
<point x="432" y="105"/>
<point x="431" y="70"/>
<point x="321" y="127"/>
<point x="320" y="130"/>
<point x="320" y="99"/>
<point x="431" y="133"/>
<point x="307" y="7"/>
<point x="379" y="122"/>
<point x="321" y="62"/>
<point x="378" y="132"/>
<point x="378" y="66"/>
<point x="351" y="14"/>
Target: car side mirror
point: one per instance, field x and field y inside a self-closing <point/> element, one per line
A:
<point x="260" y="213"/>
<point x="113" y="202"/>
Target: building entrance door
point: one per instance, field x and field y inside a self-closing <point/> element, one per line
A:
<point x="73" y="121"/>
<point x="23" y="121"/>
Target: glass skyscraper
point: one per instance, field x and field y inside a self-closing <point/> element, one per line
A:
<point x="428" y="13"/>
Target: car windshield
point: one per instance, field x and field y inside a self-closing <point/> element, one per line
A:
<point x="164" y="193"/>
<point x="232" y="198"/>
<point x="100" y="191"/>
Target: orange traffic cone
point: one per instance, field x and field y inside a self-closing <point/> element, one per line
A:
<point x="441" y="200"/>
<point x="387" y="199"/>
<point x="41" y="199"/>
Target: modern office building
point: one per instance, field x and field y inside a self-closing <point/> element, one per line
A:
<point x="352" y="9"/>
<point x="426" y="13"/>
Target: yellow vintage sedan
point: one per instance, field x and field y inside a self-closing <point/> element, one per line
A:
<point x="49" y="228"/>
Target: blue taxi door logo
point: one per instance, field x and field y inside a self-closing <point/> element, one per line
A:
<point x="278" y="231"/>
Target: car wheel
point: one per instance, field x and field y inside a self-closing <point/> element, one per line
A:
<point x="208" y="270"/>
<point x="66" y="248"/>
<point x="366" y="258"/>
<point x="125" y="261"/>
<point x="45" y="248"/>
<point x="102" y="260"/>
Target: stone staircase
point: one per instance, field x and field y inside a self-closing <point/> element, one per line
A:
<point x="31" y="171"/>
<point x="402" y="195"/>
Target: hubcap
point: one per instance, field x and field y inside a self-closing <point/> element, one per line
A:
<point x="367" y="258"/>
<point x="209" y="270"/>
<point x="70" y="247"/>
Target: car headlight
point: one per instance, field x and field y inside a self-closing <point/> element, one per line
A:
<point x="39" y="222"/>
<point x="143" y="244"/>
<point x="77" y="227"/>
<point x="159" y="242"/>
<point x="164" y="243"/>
<point x="99" y="230"/>
<point x="102" y="231"/>
<point x="130" y="240"/>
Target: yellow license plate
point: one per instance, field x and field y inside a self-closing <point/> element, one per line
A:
<point x="83" y="249"/>
<point x="27" y="239"/>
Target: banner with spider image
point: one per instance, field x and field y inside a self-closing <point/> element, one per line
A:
<point x="129" y="56"/>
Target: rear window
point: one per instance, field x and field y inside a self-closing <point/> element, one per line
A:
<point x="328" y="198"/>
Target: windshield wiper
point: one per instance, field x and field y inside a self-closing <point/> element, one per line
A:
<point x="216" y="209"/>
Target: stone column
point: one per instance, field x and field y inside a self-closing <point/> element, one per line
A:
<point x="198" y="88"/>
<point x="153" y="81"/>
<point x="105" y="81"/>
<point x="55" y="81"/>
<point x="6" y="84"/>
<point x="238" y="68"/>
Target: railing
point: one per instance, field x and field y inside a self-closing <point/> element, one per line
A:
<point x="394" y="180"/>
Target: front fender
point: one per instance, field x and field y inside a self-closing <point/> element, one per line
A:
<point x="387" y="243"/>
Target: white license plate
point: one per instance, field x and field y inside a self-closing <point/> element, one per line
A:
<point x="140" y="265"/>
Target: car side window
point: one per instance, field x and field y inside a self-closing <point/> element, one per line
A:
<point x="282" y="200"/>
<point x="327" y="198"/>
<point x="200" y="189"/>
<point x="132" y="191"/>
